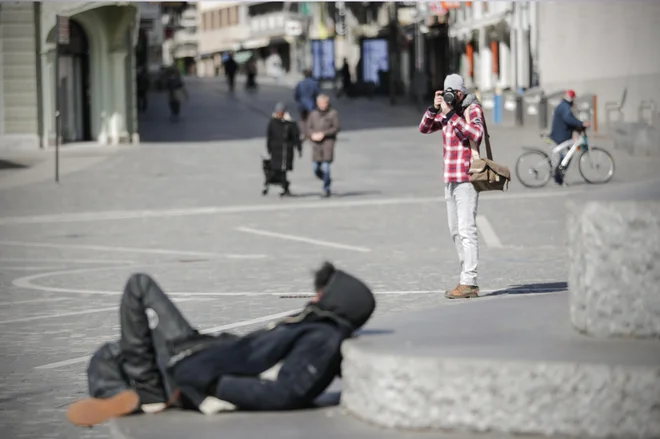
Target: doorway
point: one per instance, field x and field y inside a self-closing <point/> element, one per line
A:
<point x="74" y="86"/>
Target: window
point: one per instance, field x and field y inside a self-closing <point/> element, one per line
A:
<point x="233" y="16"/>
<point x="216" y="19"/>
<point x="205" y="21"/>
<point x="224" y="12"/>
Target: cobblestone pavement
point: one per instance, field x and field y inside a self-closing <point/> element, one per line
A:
<point x="186" y="207"/>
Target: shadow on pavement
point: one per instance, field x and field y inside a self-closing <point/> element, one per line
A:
<point x="534" y="288"/>
<point x="212" y="113"/>
<point x="4" y="164"/>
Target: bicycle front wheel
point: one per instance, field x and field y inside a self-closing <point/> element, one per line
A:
<point x="596" y="165"/>
<point x="534" y="169"/>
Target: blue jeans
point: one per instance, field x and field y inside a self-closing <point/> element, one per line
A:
<point x="322" y="171"/>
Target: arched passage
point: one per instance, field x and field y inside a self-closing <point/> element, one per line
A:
<point x="75" y="86"/>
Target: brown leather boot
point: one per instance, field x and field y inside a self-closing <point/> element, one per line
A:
<point x="463" y="292"/>
<point x="93" y="411"/>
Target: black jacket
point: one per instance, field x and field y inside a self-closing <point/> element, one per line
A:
<point x="308" y="346"/>
<point x="282" y="137"/>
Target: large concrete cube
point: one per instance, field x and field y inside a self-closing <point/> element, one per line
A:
<point x="614" y="261"/>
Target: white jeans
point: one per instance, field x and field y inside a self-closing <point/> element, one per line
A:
<point x="462" y="201"/>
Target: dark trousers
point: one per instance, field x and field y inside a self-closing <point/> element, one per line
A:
<point x="153" y="330"/>
<point x="175" y="107"/>
<point x="231" y="80"/>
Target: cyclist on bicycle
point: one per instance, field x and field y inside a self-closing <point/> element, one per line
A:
<point x="563" y="125"/>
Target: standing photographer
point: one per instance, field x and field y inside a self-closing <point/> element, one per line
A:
<point x="451" y="107"/>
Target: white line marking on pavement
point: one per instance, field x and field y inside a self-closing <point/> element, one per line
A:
<point x="155" y="251"/>
<point x="21" y="302"/>
<point x="39" y="267"/>
<point x="250" y="322"/>
<point x="488" y="232"/>
<point x="326" y="204"/>
<point x="70" y="261"/>
<point x="303" y="239"/>
<point x="203" y="331"/>
<point x="69" y="314"/>
<point x="27" y="281"/>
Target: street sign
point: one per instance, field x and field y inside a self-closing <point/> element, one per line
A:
<point x="62" y="25"/>
<point x="293" y="28"/>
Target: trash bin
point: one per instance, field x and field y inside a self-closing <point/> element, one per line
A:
<point x="512" y="109"/>
<point x="584" y="110"/>
<point x="535" y="109"/>
<point x="488" y="105"/>
<point x="554" y="99"/>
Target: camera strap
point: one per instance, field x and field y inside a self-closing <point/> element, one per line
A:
<point x="473" y="146"/>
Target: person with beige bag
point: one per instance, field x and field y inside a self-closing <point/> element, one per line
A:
<point x="461" y="119"/>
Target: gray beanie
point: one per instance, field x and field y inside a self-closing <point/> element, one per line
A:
<point x="455" y="82"/>
<point x="280" y="107"/>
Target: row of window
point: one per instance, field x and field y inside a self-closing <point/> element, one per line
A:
<point x="219" y="18"/>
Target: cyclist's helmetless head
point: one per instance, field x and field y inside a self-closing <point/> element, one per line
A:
<point x="569" y="96"/>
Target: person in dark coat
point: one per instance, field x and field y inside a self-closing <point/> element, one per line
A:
<point x="161" y="361"/>
<point x="305" y="95"/>
<point x="282" y="137"/>
<point x="231" y="67"/>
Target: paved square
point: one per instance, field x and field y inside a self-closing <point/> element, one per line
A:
<point x="185" y="206"/>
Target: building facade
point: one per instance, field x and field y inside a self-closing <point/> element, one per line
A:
<point x="183" y="46"/>
<point x="495" y="44"/>
<point x="152" y="37"/>
<point x="96" y="73"/>
<point x="223" y="26"/>
<point x="602" y="49"/>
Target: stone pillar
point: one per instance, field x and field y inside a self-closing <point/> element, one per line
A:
<point x="117" y="127"/>
<point x="614" y="261"/>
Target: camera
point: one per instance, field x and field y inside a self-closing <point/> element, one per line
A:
<point x="449" y="96"/>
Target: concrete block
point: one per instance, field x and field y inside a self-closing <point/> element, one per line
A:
<point x="614" y="261"/>
<point x="505" y="365"/>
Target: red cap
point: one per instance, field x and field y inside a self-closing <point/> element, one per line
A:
<point x="570" y="93"/>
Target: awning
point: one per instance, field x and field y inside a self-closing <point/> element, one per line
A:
<point x="256" y="43"/>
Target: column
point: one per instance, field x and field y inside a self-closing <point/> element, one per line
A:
<point x="485" y="74"/>
<point x="505" y="65"/>
<point x="117" y="123"/>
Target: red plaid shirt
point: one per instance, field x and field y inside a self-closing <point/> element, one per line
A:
<point x="456" y="135"/>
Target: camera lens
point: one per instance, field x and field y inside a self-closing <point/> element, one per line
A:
<point x="449" y="97"/>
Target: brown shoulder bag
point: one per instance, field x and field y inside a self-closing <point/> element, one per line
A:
<point x="485" y="174"/>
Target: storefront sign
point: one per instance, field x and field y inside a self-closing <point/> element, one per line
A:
<point x="62" y="25"/>
<point x="323" y="59"/>
<point x="375" y="55"/>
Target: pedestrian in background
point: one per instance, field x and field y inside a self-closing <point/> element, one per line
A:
<point x="322" y="127"/>
<point x="305" y="94"/>
<point x="231" y="67"/>
<point x="462" y="198"/>
<point x="281" y="139"/>
<point x="176" y="92"/>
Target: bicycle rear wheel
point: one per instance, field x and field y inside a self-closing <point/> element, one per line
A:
<point x="596" y="165"/>
<point x="533" y="169"/>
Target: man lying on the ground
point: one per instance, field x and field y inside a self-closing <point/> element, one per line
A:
<point x="161" y="361"/>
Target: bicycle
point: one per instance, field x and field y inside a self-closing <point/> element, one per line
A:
<point x="542" y="168"/>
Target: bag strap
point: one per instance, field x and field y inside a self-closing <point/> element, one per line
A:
<point x="475" y="151"/>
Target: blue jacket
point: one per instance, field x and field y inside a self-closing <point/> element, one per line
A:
<point x="305" y="94"/>
<point x="564" y="123"/>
